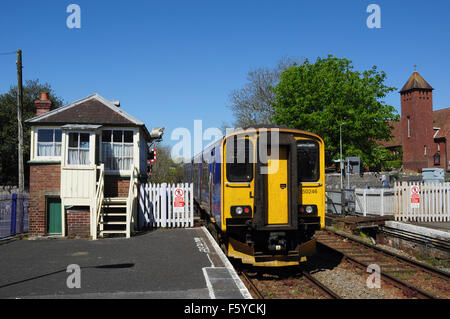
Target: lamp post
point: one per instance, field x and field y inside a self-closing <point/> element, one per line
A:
<point x="340" y="161"/>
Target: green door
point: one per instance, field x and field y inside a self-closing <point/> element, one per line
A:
<point x="54" y="216"/>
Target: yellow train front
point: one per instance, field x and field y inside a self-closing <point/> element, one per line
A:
<point x="263" y="192"/>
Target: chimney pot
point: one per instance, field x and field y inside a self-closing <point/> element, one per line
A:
<point x="43" y="105"/>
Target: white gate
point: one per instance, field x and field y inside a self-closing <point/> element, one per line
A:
<point x="432" y="202"/>
<point x="156" y="204"/>
<point x="374" y="201"/>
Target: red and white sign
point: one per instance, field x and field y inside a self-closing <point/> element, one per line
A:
<point x="178" y="200"/>
<point x="415" y="197"/>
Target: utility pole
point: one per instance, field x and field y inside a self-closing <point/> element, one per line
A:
<point x="19" y="119"/>
<point x="342" y="167"/>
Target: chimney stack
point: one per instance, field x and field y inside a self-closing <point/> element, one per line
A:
<point x="43" y="105"/>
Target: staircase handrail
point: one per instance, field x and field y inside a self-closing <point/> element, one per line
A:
<point x="130" y="199"/>
<point x="99" y="196"/>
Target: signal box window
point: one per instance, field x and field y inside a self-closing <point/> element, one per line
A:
<point x="240" y="161"/>
<point x="117" y="149"/>
<point x="308" y="161"/>
<point x="78" y="150"/>
<point x="49" y="142"/>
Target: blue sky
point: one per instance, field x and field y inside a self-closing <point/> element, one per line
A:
<point x="171" y="62"/>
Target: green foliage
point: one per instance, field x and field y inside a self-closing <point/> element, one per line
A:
<point x="391" y="164"/>
<point x="8" y="127"/>
<point x="319" y="96"/>
<point x="165" y="170"/>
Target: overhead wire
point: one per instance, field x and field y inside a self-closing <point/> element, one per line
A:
<point x="9" y="53"/>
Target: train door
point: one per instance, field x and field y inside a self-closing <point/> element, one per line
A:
<point x="311" y="179"/>
<point x="276" y="194"/>
<point x="239" y="178"/>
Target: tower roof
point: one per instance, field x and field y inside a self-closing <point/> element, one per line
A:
<point x="416" y="82"/>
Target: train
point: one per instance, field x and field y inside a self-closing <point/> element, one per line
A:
<point x="261" y="192"/>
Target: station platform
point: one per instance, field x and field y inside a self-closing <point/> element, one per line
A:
<point x="424" y="239"/>
<point x="159" y="264"/>
<point x="419" y="239"/>
<point x="445" y="227"/>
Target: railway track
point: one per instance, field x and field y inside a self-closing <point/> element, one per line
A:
<point x="325" y="290"/>
<point x="301" y="278"/>
<point x="415" y="279"/>
<point x="254" y="291"/>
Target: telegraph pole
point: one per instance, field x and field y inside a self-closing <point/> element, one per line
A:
<point x="19" y="119"/>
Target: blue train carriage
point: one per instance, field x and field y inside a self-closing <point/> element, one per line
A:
<point x="262" y="200"/>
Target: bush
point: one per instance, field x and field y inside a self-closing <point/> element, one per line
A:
<point x="391" y="164"/>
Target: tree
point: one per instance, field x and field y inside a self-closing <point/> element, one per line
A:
<point x="320" y="96"/>
<point x="253" y="104"/>
<point x="8" y="127"/>
<point x="165" y="170"/>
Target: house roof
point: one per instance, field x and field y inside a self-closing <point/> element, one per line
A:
<point x="396" y="134"/>
<point x="441" y="120"/>
<point x="93" y="110"/>
<point x="416" y="81"/>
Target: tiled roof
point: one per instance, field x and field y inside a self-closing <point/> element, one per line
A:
<point x="416" y="81"/>
<point x="91" y="110"/>
<point x="396" y="134"/>
<point x="441" y="119"/>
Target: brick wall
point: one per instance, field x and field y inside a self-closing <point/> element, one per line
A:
<point x="418" y="106"/>
<point x="116" y="186"/>
<point x="78" y="222"/>
<point x="45" y="180"/>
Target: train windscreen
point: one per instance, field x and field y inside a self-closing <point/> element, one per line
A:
<point x="308" y="161"/>
<point x="240" y="161"/>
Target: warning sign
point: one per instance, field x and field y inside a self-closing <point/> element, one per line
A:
<point x="415" y="197"/>
<point x="178" y="200"/>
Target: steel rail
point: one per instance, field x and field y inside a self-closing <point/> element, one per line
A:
<point x="410" y="289"/>
<point x="251" y="285"/>
<point x="430" y="269"/>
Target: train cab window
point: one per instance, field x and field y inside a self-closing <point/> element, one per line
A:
<point x="308" y="161"/>
<point x="240" y="161"/>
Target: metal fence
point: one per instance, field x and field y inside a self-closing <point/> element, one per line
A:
<point x="340" y="202"/>
<point x="14" y="214"/>
<point x="360" y="201"/>
<point x="375" y="201"/>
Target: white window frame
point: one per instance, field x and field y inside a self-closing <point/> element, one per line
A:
<point x="36" y="149"/>
<point x="67" y="148"/>
<point x="102" y="155"/>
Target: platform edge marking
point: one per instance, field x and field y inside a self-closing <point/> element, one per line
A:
<point x="244" y="291"/>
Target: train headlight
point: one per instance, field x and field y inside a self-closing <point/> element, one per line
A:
<point x="241" y="211"/>
<point x="307" y="209"/>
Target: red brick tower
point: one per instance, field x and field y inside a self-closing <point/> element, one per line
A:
<point x="417" y="123"/>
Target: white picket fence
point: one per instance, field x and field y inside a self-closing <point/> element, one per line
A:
<point x="156" y="205"/>
<point x="434" y="203"/>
